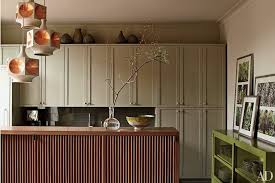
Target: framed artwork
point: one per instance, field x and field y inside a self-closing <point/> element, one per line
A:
<point x="265" y="89"/>
<point x="243" y="87"/>
<point x="249" y="116"/>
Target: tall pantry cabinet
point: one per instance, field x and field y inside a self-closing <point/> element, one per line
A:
<point x="192" y="99"/>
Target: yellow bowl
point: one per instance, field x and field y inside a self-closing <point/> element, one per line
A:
<point x="139" y="122"/>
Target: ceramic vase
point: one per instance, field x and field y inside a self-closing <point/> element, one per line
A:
<point x="78" y="37"/>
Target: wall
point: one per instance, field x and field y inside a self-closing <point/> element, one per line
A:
<point x="197" y="32"/>
<point x="250" y="29"/>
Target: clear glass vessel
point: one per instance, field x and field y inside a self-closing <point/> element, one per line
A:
<point x="111" y="123"/>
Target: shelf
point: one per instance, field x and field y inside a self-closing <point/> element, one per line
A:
<point x="248" y="176"/>
<point x="223" y="162"/>
<point x="225" y="158"/>
<point x="216" y="179"/>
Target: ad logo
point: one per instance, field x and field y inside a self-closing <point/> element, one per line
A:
<point x="265" y="176"/>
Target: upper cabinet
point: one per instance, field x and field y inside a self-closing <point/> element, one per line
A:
<point x="194" y="77"/>
<point x="53" y="79"/>
<point x="214" y="76"/>
<point x="168" y="88"/>
<point x="76" y="86"/>
<point x="99" y="71"/>
<point x="76" y="76"/>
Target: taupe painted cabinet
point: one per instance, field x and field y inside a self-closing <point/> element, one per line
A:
<point x="194" y="103"/>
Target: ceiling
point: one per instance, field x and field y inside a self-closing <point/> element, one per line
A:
<point x="113" y="11"/>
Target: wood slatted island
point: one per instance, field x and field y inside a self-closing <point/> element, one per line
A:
<point x="80" y="155"/>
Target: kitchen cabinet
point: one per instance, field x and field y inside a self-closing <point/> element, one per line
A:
<point x="48" y="88"/>
<point x="76" y="86"/>
<point x="195" y="126"/>
<point x="214" y="76"/>
<point x="8" y="52"/>
<point x="53" y="79"/>
<point x="120" y="72"/>
<point x="169" y="79"/>
<point x="214" y="119"/>
<point x="99" y="66"/>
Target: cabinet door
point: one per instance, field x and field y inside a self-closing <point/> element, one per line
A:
<point x="191" y="80"/>
<point x="99" y="72"/>
<point x="53" y="79"/>
<point x="5" y="97"/>
<point x="214" y="119"/>
<point x="169" y="74"/>
<point x="76" y="76"/>
<point x="30" y="93"/>
<point x="121" y="70"/>
<point x="144" y="93"/>
<point x="191" y="144"/>
<point x="168" y="117"/>
<point x="214" y="76"/>
<point x="8" y="52"/>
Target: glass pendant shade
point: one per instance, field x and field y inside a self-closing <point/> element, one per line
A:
<point x="29" y="14"/>
<point x="23" y="69"/>
<point x="42" y="41"/>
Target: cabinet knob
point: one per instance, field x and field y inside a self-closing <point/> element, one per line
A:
<point x="86" y="103"/>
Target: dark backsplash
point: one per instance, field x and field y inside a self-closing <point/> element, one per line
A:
<point x="79" y="116"/>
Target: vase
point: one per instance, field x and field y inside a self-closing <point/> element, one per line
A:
<point x="78" y="37"/>
<point x="88" y="39"/>
<point x="111" y="123"/>
<point x="121" y="38"/>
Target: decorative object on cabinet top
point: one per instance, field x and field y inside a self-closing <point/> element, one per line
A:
<point x="78" y="37"/>
<point x="88" y="39"/>
<point x="132" y="39"/>
<point x="66" y="39"/>
<point x="29" y="14"/>
<point x="121" y="38"/>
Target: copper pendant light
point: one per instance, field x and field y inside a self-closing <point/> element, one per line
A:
<point x="42" y="41"/>
<point x="29" y="14"/>
<point x="23" y="68"/>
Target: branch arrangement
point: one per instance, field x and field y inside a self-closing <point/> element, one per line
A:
<point x="154" y="54"/>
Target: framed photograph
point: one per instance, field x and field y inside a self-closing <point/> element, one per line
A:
<point x="265" y="89"/>
<point x="244" y="84"/>
<point x="249" y="116"/>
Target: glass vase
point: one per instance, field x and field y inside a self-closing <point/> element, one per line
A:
<point x="111" y="123"/>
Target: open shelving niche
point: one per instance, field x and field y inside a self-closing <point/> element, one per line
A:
<point x="241" y="148"/>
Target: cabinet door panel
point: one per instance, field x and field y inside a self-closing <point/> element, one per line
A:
<point x="99" y="65"/>
<point x="191" y="144"/>
<point x="8" y="52"/>
<point x="76" y="77"/>
<point x="192" y="73"/>
<point x="169" y="79"/>
<point x="214" y="120"/>
<point x="215" y="77"/>
<point x="54" y="79"/>
<point x="144" y="93"/>
<point x="168" y="117"/>
<point x="30" y="93"/>
<point x="121" y="72"/>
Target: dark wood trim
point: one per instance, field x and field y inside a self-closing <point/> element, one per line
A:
<point x="34" y="130"/>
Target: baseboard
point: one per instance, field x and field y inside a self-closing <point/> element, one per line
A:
<point x="195" y="180"/>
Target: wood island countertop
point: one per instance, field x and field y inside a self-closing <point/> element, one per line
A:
<point x="54" y="130"/>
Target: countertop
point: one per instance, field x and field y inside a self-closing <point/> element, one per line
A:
<point x="53" y="130"/>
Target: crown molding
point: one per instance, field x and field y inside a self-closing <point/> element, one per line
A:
<point x="240" y="4"/>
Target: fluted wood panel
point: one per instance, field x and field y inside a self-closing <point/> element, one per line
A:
<point x="81" y="159"/>
<point x="140" y="159"/>
<point x="56" y="159"/>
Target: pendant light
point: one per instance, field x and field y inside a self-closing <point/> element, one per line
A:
<point x="23" y="68"/>
<point x="29" y="14"/>
<point x="42" y="41"/>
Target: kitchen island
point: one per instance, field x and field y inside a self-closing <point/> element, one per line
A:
<point x="82" y="154"/>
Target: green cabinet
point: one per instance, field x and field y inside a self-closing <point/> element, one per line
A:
<point x="238" y="159"/>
